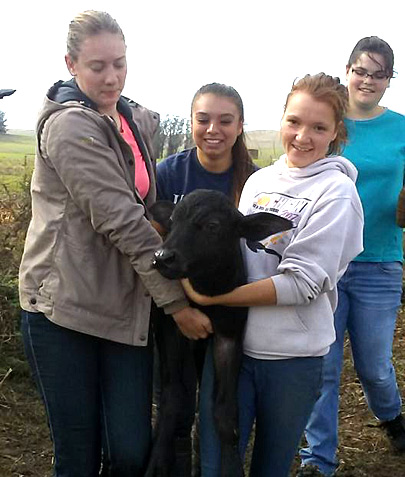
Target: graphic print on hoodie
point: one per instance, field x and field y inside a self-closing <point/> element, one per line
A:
<point x="306" y="262"/>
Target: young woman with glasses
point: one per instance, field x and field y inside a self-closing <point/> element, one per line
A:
<point x="370" y="290"/>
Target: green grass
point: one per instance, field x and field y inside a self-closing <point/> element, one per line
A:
<point x="268" y="155"/>
<point x="16" y="159"/>
<point x="17" y="145"/>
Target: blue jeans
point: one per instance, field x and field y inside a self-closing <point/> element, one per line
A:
<point x="369" y="297"/>
<point x="280" y="395"/>
<point x="97" y="396"/>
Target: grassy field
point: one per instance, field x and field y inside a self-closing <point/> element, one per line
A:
<point x="16" y="158"/>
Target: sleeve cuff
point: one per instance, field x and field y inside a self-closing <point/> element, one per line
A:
<point x="176" y="306"/>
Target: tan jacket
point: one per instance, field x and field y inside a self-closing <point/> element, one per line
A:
<point x="88" y="251"/>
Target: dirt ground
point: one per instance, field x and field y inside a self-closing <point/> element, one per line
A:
<point x="25" y="448"/>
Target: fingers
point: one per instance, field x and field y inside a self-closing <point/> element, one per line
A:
<point x="195" y="329"/>
<point x="207" y="324"/>
<point x="193" y="323"/>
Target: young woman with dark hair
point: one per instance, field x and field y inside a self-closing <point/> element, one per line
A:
<point x="219" y="161"/>
<point x="370" y="290"/>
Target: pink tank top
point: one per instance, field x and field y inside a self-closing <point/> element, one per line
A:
<point x="142" y="182"/>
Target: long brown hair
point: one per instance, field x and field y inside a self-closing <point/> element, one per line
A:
<point x="243" y="165"/>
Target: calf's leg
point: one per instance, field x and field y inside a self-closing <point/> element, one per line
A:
<point x="177" y="393"/>
<point x="227" y="356"/>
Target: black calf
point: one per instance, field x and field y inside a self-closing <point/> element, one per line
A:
<point x="203" y="245"/>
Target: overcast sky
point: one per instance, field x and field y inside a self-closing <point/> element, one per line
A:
<point x="176" y="46"/>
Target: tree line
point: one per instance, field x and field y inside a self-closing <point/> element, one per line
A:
<point x="3" y="128"/>
<point x="174" y="133"/>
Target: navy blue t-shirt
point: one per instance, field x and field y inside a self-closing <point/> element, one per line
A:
<point x="181" y="173"/>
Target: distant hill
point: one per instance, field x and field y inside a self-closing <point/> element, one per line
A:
<point x="21" y="132"/>
<point x="261" y="139"/>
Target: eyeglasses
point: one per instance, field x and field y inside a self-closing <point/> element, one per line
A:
<point x="377" y="75"/>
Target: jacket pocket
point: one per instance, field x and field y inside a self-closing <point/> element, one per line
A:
<point x="96" y="279"/>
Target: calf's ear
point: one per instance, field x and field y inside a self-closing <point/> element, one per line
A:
<point x="261" y="225"/>
<point x="161" y="212"/>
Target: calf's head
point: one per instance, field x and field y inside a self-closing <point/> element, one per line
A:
<point x="204" y="232"/>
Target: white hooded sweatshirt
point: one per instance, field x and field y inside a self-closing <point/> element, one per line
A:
<point x="305" y="262"/>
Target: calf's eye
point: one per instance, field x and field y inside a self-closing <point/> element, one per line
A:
<point x="212" y="227"/>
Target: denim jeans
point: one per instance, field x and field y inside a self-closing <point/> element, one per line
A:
<point x="369" y="297"/>
<point x="97" y="396"/>
<point x="280" y="395"/>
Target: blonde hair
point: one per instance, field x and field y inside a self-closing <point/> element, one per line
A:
<point x="87" y="24"/>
